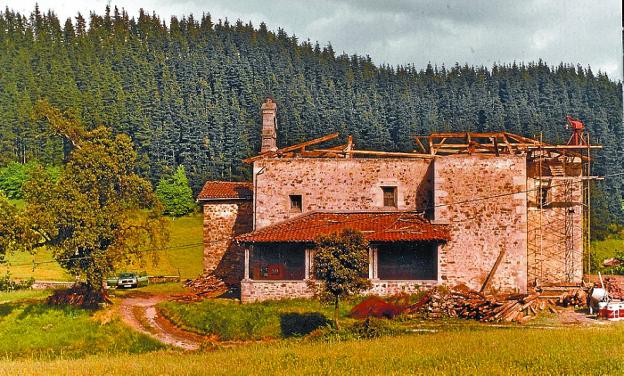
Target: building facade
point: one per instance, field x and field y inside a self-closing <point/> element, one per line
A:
<point x="491" y="211"/>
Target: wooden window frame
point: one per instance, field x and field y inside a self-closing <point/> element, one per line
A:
<point x="395" y="197"/>
<point x="294" y="199"/>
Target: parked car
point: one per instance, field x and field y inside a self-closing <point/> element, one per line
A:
<point x="128" y="280"/>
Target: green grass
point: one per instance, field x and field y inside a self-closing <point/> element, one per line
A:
<point x="185" y="250"/>
<point x="31" y="329"/>
<point x="179" y="257"/>
<point x="231" y="320"/>
<point x="605" y="249"/>
<point x="569" y="351"/>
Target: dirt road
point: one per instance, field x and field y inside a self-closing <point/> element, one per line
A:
<point x="139" y="312"/>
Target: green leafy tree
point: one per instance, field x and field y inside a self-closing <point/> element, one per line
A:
<point x="341" y="264"/>
<point x="12" y="178"/>
<point x="98" y="215"/>
<point x="175" y="193"/>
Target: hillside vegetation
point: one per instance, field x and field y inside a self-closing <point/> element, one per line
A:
<point x="183" y="254"/>
<point x="188" y="92"/>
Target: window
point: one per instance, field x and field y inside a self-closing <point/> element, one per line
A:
<point x="277" y="262"/>
<point x="296" y="204"/>
<point x="544" y="197"/>
<point x="407" y="261"/>
<point x="389" y="196"/>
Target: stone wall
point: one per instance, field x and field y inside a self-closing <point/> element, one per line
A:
<point x="482" y="227"/>
<point x="339" y="184"/>
<point x="223" y="220"/>
<point x="257" y="291"/>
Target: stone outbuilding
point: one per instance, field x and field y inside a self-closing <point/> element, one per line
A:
<point x="493" y="211"/>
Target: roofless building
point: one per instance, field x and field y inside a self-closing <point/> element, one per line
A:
<point x="489" y="210"/>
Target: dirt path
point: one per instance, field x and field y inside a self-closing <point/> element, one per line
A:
<point x="139" y="312"/>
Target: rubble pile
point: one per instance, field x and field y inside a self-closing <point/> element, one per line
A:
<point x="469" y="304"/>
<point x="79" y="295"/>
<point x="207" y="286"/>
<point x="613" y="287"/>
<point x="375" y="307"/>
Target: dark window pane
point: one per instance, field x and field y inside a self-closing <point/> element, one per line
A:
<point x="389" y="196"/>
<point x="277" y="262"/>
<point x="407" y="261"/>
<point x="296" y="203"/>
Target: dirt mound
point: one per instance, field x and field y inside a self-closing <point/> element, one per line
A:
<point x="375" y="307"/>
<point x="79" y="295"/>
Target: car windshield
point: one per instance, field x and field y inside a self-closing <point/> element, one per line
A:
<point x="126" y="275"/>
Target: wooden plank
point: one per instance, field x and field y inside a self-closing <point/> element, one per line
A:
<point x="422" y="147"/>
<point x="564" y="147"/>
<point x="509" y="148"/>
<point x="382" y="153"/>
<point x="291" y="148"/>
<point x="490" y="275"/>
<point x="462" y="135"/>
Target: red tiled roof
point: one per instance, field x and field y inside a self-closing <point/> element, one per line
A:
<point x="376" y="226"/>
<point x="216" y="190"/>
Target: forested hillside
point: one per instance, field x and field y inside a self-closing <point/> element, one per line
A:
<point x="189" y="93"/>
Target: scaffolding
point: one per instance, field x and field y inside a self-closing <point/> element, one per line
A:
<point x="559" y="228"/>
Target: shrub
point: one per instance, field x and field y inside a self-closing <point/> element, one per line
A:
<point x="7" y="284"/>
<point x="14" y="175"/>
<point x="175" y="193"/>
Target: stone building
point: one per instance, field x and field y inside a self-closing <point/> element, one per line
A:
<point x="489" y="210"/>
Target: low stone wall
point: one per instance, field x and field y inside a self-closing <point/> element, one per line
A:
<point x="257" y="291"/>
<point x="387" y="288"/>
<point x="42" y="285"/>
<point x="163" y="278"/>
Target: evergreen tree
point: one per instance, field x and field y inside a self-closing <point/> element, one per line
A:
<point x="175" y="194"/>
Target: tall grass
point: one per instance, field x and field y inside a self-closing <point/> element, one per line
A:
<point x="567" y="351"/>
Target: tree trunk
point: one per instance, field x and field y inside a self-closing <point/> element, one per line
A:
<point x="336" y="313"/>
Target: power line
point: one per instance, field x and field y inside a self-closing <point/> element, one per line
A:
<point x="478" y="199"/>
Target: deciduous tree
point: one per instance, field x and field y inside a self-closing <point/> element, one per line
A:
<point x="341" y="265"/>
<point x="99" y="214"/>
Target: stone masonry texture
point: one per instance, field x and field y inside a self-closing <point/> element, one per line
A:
<point x="482" y="227"/>
<point x="486" y="200"/>
<point x="339" y="184"/>
<point x="223" y="220"/>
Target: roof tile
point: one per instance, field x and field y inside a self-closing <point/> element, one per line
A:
<point x="220" y="190"/>
<point x="376" y="227"/>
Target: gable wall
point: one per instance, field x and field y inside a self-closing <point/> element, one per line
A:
<point x="338" y="184"/>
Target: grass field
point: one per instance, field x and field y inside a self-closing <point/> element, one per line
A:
<point x="182" y="255"/>
<point x="569" y="351"/>
<point x="29" y="328"/>
<point x="231" y="320"/>
<point x="605" y="249"/>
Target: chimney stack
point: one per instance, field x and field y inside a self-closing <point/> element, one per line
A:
<point x="269" y="126"/>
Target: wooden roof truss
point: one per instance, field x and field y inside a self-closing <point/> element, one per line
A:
<point x="496" y="143"/>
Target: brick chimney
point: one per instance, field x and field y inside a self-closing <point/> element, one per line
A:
<point x="269" y="126"/>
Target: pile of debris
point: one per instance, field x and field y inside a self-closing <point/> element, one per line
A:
<point x="468" y="304"/>
<point x="79" y="295"/>
<point x="374" y="306"/>
<point x="207" y="286"/>
<point x="613" y="287"/>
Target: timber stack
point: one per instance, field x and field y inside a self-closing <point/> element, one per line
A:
<point x="469" y="304"/>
